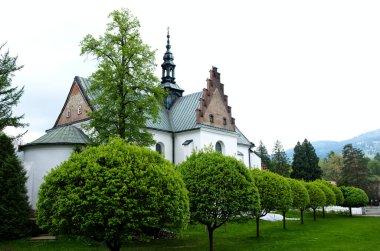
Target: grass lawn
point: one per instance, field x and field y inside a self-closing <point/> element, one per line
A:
<point x="335" y="232"/>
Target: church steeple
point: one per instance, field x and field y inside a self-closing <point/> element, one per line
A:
<point x="168" y="77"/>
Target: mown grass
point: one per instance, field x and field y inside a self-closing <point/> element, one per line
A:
<point x="335" y="232"/>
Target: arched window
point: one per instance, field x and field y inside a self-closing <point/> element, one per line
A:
<point x="219" y="147"/>
<point x="160" y="148"/>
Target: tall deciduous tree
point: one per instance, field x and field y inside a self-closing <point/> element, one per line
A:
<point x="305" y="162"/>
<point x="112" y="192"/>
<point x="355" y="170"/>
<point x="14" y="207"/>
<point x="9" y="96"/>
<point x="262" y="152"/>
<point x="220" y="189"/>
<point x="125" y="91"/>
<point x="280" y="162"/>
<point x="332" y="167"/>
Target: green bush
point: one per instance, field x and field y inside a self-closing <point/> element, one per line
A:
<point x="111" y="192"/>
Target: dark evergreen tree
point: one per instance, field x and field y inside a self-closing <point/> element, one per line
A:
<point x="14" y="206"/>
<point x="355" y="170"/>
<point x="280" y="162"/>
<point x="305" y="162"/>
<point x="264" y="155"/>
<point x="9" y="96"/>
<point x="377" y="157"/>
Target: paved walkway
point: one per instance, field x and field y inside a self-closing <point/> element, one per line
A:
<point x="372" y="211"/>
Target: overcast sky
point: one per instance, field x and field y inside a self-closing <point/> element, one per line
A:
<point x="291" y="69"/>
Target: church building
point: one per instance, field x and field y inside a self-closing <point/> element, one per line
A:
<point x="186" y="123"/>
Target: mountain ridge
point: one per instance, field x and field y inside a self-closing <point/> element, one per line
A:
<point x="368" y="142"/>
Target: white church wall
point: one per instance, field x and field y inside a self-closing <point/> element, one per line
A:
<point x="229" y="140"/>
<point x="165" y="139"/>
<point x="38" y="161"/>
<point x="242" y="154"/>
<point x="181" y="150"/>
<point x="255" y="161"/>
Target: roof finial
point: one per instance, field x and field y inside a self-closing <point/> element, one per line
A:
<point x="168" y="43"/>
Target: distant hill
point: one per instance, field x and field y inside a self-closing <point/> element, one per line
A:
<point x="368" y="142"/>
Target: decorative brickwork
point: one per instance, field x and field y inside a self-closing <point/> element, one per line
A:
<point x="214" y="109"/>
<point x="75" y="109"/>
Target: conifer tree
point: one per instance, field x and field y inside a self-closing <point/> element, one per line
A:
<point x="355" y="170"/>
<point x="305" y="162"/>
<point x="9" y="96"/>
<point x="262" y="152"/>
<point x="14" y="206"/>
<point x="280" y="162"/>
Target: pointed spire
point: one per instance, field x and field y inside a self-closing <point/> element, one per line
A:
<point x="168" y="76"/>
<point x="168" y="46"/>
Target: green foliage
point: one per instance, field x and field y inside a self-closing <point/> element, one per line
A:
<point x="354" y="197"/>
<point x="355" y="170"/>
<point x="305" y="162"/>
<point x="300" y="195"/>
<point x="377" y="157"/>
<point x="126" y="93"/>
<point x="329" y="193"/>
<point x="111" y="192"/>
<point x="332" y="166"/>
<point x="14" y="207"/>
<point x="374" y="167"/>
<point x="262" y="152"/>
<point x="316" y="195"/>
<point x="9" y="96"/>
<point x="275" y="191"/>
<point x="220" y="189"/>
<point x="339" y="199"/>
<point x="280" y="162"/>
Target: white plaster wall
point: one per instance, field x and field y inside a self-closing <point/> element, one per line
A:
<point x="245" y="151"/>
<point x="208" y="136"/>
<point x="38" y="161"/>
<point x="165" y="138"/>
<point x="255" y="161"/>
<point x="181" y="151"/>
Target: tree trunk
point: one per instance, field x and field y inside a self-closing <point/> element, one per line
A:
<point x="350" y="212"/>
<point x="114" y="246"/>
<point x="323" y="212"/>
<point x="283" y="220"/>
<point x="314" y="213"/>
<point x="301" y="216"/>
<point x="257" y="226"/>
<point x="211" y="237"/>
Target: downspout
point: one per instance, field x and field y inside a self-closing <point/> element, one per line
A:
<point x="173" y="148"/>
<point x="249" y="154"/>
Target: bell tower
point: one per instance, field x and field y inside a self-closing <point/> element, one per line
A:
<point x="168" y="76"/>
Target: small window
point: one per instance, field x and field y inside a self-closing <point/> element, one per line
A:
<point x="79" y="110"/>
<point x="224" y="121"/>
<point x="68" y="114"/>
<point x="211" y="117"/>
<point x="218" y="147"/>
<point x="158" y="148"/>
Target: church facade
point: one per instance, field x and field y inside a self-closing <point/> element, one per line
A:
<point x="186" y="123"/>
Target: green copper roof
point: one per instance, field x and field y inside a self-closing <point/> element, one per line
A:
<point x="183" y="112"/>
<point x="65" y="135"/>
